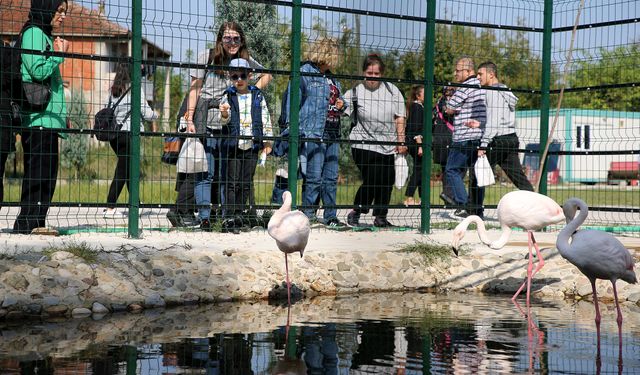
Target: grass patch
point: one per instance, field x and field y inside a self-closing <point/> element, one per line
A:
<point x="81" y="250"/>
<point x="430" y="251"/>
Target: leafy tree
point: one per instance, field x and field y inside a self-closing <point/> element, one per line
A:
<point x="75" y="146"/>
<point x="615" y="66"/>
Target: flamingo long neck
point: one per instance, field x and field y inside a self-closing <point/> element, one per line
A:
<point x="562" y="243"/>
<point x="503" y="239"/>
<point x="482" y="231"/>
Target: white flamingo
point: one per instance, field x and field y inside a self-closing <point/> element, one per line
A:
<point x="291" y="230"/>
<point x="517" y="209"/>
<point x="597" y="254"/>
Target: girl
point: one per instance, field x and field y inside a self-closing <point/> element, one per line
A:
<point x="120" y="145"/>
<point x="203" y="116"/>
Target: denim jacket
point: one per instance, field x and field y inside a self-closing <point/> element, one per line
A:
<point x="314" y="101"/>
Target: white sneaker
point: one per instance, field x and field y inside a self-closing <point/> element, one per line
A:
<point x="112" y="213"/>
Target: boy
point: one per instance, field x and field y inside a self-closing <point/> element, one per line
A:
<point x="245" y="119"/>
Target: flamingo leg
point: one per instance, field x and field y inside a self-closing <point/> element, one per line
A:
<point x="595" y="304"/>
<point x="619" y="319"/>
<point x="529" y="272"/>
<point x="286" y="267"/>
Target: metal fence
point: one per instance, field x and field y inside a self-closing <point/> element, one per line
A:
<point x="594" y="154"/>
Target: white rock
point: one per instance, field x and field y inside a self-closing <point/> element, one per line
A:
<point x="80" y="312"/>
<point x="98" y="308"/>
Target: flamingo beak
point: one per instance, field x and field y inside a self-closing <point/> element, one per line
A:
<point x="301" y="251"/>
<point x="455" y="250"/>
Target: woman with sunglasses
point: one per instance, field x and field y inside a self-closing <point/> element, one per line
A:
<point x="39" y="134"/>
<point x="203" y="115"/>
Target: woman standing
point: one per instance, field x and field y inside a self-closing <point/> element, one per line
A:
<point x="121" y="91"/>
<point x="203" y="115"/>
<point x="380" y="117"/>
<point x="414" y="140"/>
<point x="39" y="132"/>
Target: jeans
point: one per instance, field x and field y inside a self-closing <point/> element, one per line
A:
<point x="320" y="177"/>
<point x="241" y="167"/>
<point x="203" y="180"/>
<point x="462" y="156"/>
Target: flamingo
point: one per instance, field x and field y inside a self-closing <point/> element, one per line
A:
<point x="521" y="209"/>
<point x="597" y="254"/>
<point x="291" y="230"/>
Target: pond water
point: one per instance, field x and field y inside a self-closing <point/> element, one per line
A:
<point x="388" y="333"/>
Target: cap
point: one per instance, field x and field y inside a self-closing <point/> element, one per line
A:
<point x="239" y="63"/>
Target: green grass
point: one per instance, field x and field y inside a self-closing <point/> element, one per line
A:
<point x="81" y="250"/>
<point x="159" y="190"/>
<point x="431" y="252"/>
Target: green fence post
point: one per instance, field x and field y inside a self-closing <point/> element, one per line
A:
<point x="429" y="66"/>
<point x="294" y="99"/>
<point x="545" y="87"/>
<point x="134" y="160"/>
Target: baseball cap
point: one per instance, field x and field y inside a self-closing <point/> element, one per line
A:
<point x="239" y="63"/>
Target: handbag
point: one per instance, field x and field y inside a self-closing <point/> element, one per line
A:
<point x="483" y="171"/>
<point x="402" y="170"/>
<point x="37" y="95"/>
<point x="171" y="150"/>
<point x="192" y="158"/>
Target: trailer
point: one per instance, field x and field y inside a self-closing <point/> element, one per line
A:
<point x="611" y="136"/>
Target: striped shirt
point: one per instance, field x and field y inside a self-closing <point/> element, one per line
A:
<point x="469" y="103"/>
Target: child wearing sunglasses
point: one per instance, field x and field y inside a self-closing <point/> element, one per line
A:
<point x="245" y="118"/>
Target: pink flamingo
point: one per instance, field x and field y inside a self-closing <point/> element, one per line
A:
<point x="291" y="230"/>
<point x="597" y="254"/>
<point x="520" y="209"/>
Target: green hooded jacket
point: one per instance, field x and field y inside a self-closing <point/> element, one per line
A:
<point x="38" y="68"/>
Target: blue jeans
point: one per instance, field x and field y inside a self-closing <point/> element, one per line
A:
<point x="203" y="180"/>
<point x="462" y="156"/>
<point x="320" y="177"/>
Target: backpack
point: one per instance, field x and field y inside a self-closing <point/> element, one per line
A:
<point x="13" y="95"/>
<point x="105" y="122"/>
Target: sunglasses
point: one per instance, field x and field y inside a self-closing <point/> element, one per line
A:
<point x="236" y="40"/>
<point x="242" y="76"/>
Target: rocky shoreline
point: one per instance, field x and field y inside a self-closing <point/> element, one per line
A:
<point x="131" y="276"/>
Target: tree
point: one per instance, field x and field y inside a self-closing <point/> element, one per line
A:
<point x="611" y="67"/>
<point x="75" y="146"/>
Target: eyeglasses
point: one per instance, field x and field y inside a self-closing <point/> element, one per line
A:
<point x="242" y="76"/>
<point x="236" y="40"/>
<point x="460" y="70"/>
<point x="61" y="12"/>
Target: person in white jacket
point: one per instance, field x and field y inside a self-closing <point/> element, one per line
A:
<point x="499" y="140"/>
<point x="121" y="144"/>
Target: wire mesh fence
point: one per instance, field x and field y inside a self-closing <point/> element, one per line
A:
<point x="350" y="105"/>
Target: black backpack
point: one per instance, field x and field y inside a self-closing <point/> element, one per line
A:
<point x="105" y="122"/>
<point x="12" y="95"/>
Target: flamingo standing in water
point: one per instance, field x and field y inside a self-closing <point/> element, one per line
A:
<point x="291" y="230"/>
<point x="597" y="254"/>
<point x="520" y="209"/>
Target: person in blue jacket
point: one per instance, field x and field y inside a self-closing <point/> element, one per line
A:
<point x="321" y="106"/>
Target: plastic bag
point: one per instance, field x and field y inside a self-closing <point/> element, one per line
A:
<point x="483" y="171"/>
<point x="192" y="158"/>
<point x="402" y="170"/>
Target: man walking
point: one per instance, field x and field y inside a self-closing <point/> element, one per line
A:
<point x="468" y="107"/>
<point x="499" y="140"/>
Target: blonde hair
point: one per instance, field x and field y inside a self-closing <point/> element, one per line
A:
<point x="323" y="51"/>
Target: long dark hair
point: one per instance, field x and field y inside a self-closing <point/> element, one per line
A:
<point x="413" y="96"/>
<point x="220" y="55"/>
<point x="122" y="80"/>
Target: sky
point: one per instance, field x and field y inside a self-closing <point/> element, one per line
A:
<point x="180" y="25"/>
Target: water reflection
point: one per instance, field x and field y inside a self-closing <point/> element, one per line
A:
<point x="364" y="334"/>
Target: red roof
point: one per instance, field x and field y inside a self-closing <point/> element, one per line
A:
<point x="80" y="21"/>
